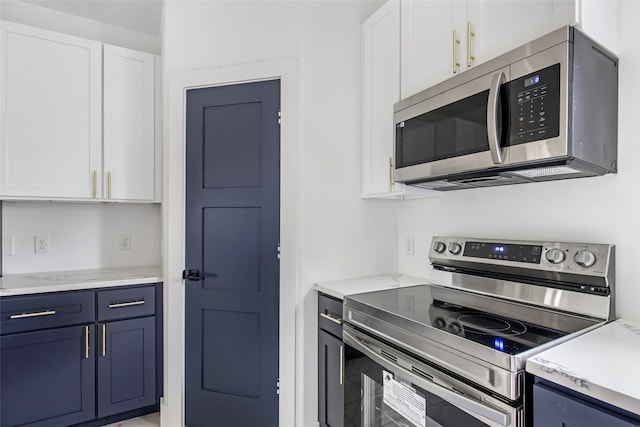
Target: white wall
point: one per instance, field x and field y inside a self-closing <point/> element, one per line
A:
<point x="42" y="17"/>
<point x="81" y="236"/>
<point x="599" y="210"/>
<point x="340" y="235"/>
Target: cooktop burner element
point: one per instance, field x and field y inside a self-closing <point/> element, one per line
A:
<point x="493" y="305"/>
<point x="484" y="324"/>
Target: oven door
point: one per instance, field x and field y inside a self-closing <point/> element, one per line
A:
<point x="386" y="387"/>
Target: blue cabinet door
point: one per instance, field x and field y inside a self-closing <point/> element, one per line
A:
<point x="552" y="408"/>
<point x="330" y="379"/>
<point x="47" y="378"/>
<point x="126" y="365"/>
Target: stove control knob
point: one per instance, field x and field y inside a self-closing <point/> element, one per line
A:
<point x="554" y="256"/>
<point x="455" y="248"/>
<point x="584" y="258"/>
<point x="439" y="247"/>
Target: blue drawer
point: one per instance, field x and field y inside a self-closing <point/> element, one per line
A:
<point x="124" y="303"/>
<point x="41" y="311"/>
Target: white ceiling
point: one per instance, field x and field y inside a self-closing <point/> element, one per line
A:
<point x="142" y="16"/>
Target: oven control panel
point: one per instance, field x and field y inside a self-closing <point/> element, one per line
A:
<point x="577" y="258"/>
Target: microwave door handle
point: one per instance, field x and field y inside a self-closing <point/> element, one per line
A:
<point x="492" y="118"/>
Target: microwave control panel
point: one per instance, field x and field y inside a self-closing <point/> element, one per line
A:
<point x="535" y="106"/>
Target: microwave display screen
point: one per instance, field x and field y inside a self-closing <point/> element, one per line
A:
<point x="535" y="106"/>
<point x="532" y="81"/>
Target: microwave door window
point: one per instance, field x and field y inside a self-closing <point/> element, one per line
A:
<point x="454" y="130"/>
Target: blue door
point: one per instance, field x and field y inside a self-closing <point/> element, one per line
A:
<point x="232" y="261"/>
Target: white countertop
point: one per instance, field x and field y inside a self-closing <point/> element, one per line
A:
<point x="603" y="363"/>
<point x="56" y="281"/>
<point x="340" y="288"/>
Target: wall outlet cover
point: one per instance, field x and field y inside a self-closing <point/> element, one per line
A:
<point x="8" y="246"/>
<point x="409" y="245"/>
<point x="41" y="244"/>
<point x="124" y="242"/>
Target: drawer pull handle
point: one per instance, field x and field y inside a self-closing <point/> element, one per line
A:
<point x="86" y="342"/>
<point x="330" y="317"/>
<point x="39" y="313"/>
<point x="126" y="304"/>
<point x="104" y="339"/>
<point x="341" y="365"/>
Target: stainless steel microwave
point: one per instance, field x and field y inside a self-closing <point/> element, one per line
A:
<point x="547" y="110"/>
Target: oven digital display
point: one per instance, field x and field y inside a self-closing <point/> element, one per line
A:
<point x="503" y="251"/>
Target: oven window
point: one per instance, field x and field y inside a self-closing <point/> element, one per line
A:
<point x="365" y="404"/>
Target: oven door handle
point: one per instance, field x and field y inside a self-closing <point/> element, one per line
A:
<point x="473" y="407"/>
<point x="493" y="127"/>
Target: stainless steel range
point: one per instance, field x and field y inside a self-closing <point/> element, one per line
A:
<point x="452" y="353"/>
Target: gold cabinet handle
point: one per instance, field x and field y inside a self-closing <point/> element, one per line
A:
<point x="330" y="317"/>
<point x="37" y="314"/>
<point x="470" y="34"/>
<point x="104" y="339"/>
<point x="456" y="42"/>
<point x="94" y="184"/>
<point x="390" y="174"/>
<point x="126" y="304"/>
<point x="108" y="185"/>
<point x="341" y="365"/>
<point x="86" y="342"/>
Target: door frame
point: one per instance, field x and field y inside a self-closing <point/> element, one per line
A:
<point x="173" y="225"/>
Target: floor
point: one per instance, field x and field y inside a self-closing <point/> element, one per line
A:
<point x="151" y="420"/>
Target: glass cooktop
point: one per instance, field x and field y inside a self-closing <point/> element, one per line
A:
<point x="501" y="325"/>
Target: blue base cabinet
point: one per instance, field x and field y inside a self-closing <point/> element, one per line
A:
<point x="85" y="358"/>
<point x="127" y="366"/>
<point x="554" y="406"/>
<point x="47" y="377"/>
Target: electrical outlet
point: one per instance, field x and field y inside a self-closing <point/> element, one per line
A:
<point x="124" y="242"/>
<point x="8" y="246"/>
<point x="408" y="245"/>
<point x="41" y="244"/>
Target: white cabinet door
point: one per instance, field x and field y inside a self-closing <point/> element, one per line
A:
<point x="129" y="125"/>
<point x="381" y="89"/>
<point x="51" y="114"/>
<point x="428" y="48"/>
<point x="502" y="25"/>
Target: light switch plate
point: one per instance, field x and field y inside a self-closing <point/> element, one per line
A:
<point x="8" y="246"/>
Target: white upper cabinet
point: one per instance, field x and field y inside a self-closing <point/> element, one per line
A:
<point x="79" y="119"/>
<point x="381" y="89"/>
<point x="129" y="125"/>
<point x="51" y="114"/>
<point x="428" y="52"/>
<point x="443" y="38"/>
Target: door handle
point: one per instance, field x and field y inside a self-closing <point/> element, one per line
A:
<point x="192" y="275"/>
<point x="493" y="127"/>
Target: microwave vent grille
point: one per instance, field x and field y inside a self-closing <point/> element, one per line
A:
<point x="542" y="172"/>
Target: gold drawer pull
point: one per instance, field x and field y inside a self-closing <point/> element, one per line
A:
<point x="104" y="339"/>
<point x="330" y="317"/>
<point x="126" y="304"/>
<point x="39" y="313"/>
<point x="86" y="342"/>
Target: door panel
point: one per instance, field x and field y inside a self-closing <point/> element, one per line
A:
<point x="232" y="234"/>
<point x="47" y="377"/>
<point x="127" y="366"/>
<point x="232" y="138"/>
<point x="233" y="267"/>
